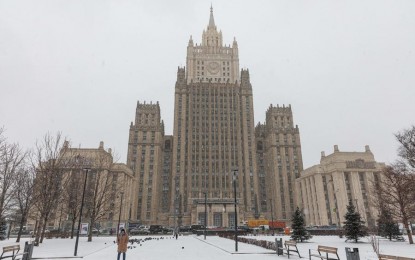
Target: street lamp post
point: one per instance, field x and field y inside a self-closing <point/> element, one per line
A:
<point x="272" y="218"/>
<point x="236" y="214"/>
<point x="80" y="212"/>
<point x="119" y="216"/>
<point x="205" y="213"/>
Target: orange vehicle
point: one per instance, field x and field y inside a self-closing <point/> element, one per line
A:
<point x="253" y="223"/>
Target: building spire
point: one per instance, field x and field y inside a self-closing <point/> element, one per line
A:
<point x="211" y="19"/>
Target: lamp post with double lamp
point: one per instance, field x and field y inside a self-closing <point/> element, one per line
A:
<point x="205" y="213"/>
<point x="236" y="214"/>
<point x="272" y="218"/>
<point x="80" y="211"/>
<point x="119" y="216"/>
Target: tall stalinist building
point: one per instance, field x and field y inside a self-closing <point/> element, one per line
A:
<point x="213" y="146"/>
<point x="214" y="136"/>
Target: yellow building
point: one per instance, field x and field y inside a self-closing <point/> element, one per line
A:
<point x="326" y="189"/>
<point x="107" y="184"/>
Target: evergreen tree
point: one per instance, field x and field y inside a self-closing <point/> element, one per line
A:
<point x="387" y="227"/>
<point x="354" y="225"/>
<point x="298" y="227"/>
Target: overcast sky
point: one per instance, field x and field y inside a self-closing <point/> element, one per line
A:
<point x="346" y="67"/>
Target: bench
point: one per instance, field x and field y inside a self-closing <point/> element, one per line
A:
<point x="13" y="249"/>
<point x="289" y="247"/>
<point x="324" y="249"/>
<point x="393" y="257"/>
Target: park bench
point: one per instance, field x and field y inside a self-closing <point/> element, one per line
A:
<point x="289" y="246"/>
<point x="13" y="249"/>
<point x="393" y="257"/>
<point x="325" y="250"/>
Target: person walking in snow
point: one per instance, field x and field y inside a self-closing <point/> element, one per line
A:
<point x="176" y="232"/>
<point x="122" y="242"/>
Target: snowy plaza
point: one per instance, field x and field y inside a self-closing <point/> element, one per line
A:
<point x="195" y="247"/>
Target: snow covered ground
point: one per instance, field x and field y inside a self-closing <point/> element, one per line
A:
<point x="195" y="247"/>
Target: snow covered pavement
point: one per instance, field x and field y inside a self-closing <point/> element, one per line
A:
<point x="195" y="247"/>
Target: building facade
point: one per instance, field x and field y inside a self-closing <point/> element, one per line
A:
<point x="326" y="189"/>
<point x="212" y="153"/>
<point x="107" y="185"/>
<point x="282" y="162"/>
<point x="145" y="158"/>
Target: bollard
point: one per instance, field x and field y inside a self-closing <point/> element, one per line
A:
<point x="352" y="255"/>
<point x="28" y="250"/>
<point x="278" y="244"/>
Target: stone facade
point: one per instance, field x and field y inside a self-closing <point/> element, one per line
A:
<point x="212" y="61"/>
<point x="214" y="134"/>
<point x="145" y="158"/>
<point x="213" y="146"/>
<point x="281" y="162"/>
<point x="325" y="189"/>
<point x="112" y="178"/>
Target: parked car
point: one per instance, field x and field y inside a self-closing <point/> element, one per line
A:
<point x="245" y="228"/>
<point x="154" y="229"/>
<point x="185" y="229"/>
<point x="197" y="227"/>
<point x="167" y="230"/>
<point x="144" y="227"/>
<point x="138" y="231"/>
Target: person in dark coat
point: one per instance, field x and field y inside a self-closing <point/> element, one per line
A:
<point x="122" y="242"/>
<point x="176" y="232"/>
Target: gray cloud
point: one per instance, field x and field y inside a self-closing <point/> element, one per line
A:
<point x="346" y="67"/>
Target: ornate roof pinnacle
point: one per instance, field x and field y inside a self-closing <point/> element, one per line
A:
<point x="211" y="19"/>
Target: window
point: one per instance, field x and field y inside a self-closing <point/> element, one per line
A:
<point x="217" y="219"/>
<point x="231" y="219"/>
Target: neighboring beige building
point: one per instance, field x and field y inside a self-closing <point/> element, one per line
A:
<point x="118" y="179"/>
<point x="325" y="189"/>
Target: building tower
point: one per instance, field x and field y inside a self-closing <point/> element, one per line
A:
<point x="283" y="160"/>
<point x="145" y="158"/>
<point x="213" y="135"/>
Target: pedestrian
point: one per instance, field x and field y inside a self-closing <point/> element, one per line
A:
<point x="176" y="232"/>
<point x="122" y="242"/>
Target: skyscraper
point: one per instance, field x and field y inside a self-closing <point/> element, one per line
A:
<point x="213" y="132"/>
<point x="213" y="145"/>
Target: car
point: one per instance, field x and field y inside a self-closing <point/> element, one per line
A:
<point x="185" y="229"/>
<point x="240" y="228"/>
<point x="144" y="227"/>
<point x="154" y="229"/>
<point x="138" y="231"/>
<point x="167" y="230"/>
<point x="245" y="229"/>
<point x="197" y="227"/>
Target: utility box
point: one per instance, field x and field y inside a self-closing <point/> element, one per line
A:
<point x="352" y="255"/>
<point x="278" y="246"/>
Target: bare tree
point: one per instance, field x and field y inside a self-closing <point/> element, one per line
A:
<point x="48" y="181"/>
<point x="395" y="187"/>
<point x="24" y="194"/>
<point x="71" y="197"/>
<point x="11" y="157"/>
<point x="406" y="151"/>
<point x="101" y="190"/>
<point x="395" y="193"/>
